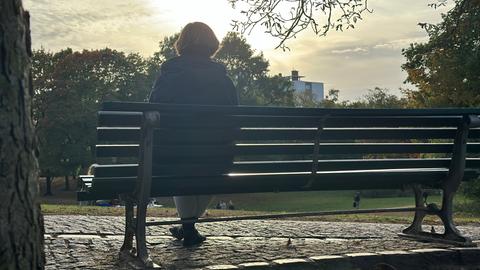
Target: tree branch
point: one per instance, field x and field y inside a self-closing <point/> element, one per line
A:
<point x="284" y="19"/>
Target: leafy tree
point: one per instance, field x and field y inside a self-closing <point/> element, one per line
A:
<point x="274" y="91"/>
<point x="166" y="51"/>
<point x="332" y="99"/>
<point x="249" y="72"/>
<point x="333" y="95"/>
<point x="283" y="19"/>
<point x="243" y="66"/>
<point x="167" y="48"/>
<point x="445" y="69"/>
<point x="70" y="88"/>
<point x="306" y="99"/>
<point x="375" y="98"/>
<point x="379" y="98"/>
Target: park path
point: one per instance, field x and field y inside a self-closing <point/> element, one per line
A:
<point x="92" y="242"/>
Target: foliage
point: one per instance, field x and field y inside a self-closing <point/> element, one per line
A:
<point x="284" y="19"/>
<point x="165" y="52"/>
<point x="243" y="66"/>
<point x="446" y="68"/>
<point x="274" y="90"/>
<point x="70" y="87"/>
<point x="306" y="99"/>
<point x="333" y="95"/>
<point x="332" y="100"/>
<point x="249" y="73"/>
<point x="472" y="189"/>
<point x="378" y="98"/>
<point x="43" y="66"/>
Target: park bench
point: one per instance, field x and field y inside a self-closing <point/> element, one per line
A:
<point x="152" y="150"/>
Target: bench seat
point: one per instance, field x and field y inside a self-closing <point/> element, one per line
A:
<point x="162" y="186"/>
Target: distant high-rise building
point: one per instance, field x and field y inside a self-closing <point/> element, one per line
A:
<point x="316" y="88"/>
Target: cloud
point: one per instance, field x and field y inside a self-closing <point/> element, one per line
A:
<point x="352" y="50"/>
<point x="399" y="44"/>
<point x="87" y="24"/>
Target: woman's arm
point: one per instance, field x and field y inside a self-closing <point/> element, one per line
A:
<point x="161" y="92"/>
<point x="233" y="92"/>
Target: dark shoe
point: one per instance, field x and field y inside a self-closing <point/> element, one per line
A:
<point x="192" y="239"/>
<point x="177" y="232"/>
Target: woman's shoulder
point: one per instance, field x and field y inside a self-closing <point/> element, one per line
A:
<point x="218" y="65"/>
<point x="188" y="62"/>
<point x="171" y="63"/>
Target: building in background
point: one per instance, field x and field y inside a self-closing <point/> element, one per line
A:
<point x="316" y="88"/>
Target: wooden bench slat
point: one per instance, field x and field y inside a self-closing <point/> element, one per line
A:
<point x="119" y="119"/>
<point x="280" y="149"/>
<point x="133" y="119"/>
<point x="337" y="134"/>
<point x="252" y="110"/>
<point x="167" y="136"/>
<point x="186" y="136"/>
<point x="284" y="166"/>
<point x="353" y="122"/>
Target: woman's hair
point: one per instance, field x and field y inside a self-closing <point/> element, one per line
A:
<point x="197" y="38"/>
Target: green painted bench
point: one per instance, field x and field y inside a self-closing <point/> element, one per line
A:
<point x="152" y="150"/>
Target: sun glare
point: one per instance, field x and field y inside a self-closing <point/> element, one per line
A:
<point x="216" y="13"/>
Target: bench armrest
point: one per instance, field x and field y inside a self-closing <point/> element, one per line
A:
<point x="85" y="182"/>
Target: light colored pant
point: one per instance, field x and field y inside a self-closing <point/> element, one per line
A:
<point x="192" y="206"/>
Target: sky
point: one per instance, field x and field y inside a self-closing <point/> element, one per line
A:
<point x="353" y="61"/>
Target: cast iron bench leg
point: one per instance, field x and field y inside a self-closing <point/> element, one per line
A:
<point x="446" y="215"/>
<point x="416" y="226"/>
<point x="451" y="234"/>
<point x="126" y="249"/>
<point x="140" y="236"/>
<point x="143" y="189"/>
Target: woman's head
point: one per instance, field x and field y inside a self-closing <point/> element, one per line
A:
<point x="198" y="39"/>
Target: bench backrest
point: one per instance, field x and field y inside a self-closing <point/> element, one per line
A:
<point x="279" y="149"/>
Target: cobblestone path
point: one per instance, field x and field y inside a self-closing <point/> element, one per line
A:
<point x="92" y="242"/>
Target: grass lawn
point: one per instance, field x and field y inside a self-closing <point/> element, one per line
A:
<point x="314" y="201"/>
<point x="247" y="204"/>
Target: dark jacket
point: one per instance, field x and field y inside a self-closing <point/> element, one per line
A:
<point x="198" y="80"/>
<point x="189" y="79"/>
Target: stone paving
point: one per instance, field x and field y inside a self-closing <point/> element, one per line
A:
<point x="92" y="242"/>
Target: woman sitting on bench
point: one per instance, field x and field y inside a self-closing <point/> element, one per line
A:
<point x="193" y="78"/>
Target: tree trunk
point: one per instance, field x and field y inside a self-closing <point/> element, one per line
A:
<point x="67" y="183"/>
<point x="75" y="181"/>
<point x="48" y="186"/>
<point x="21" y="222"/>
